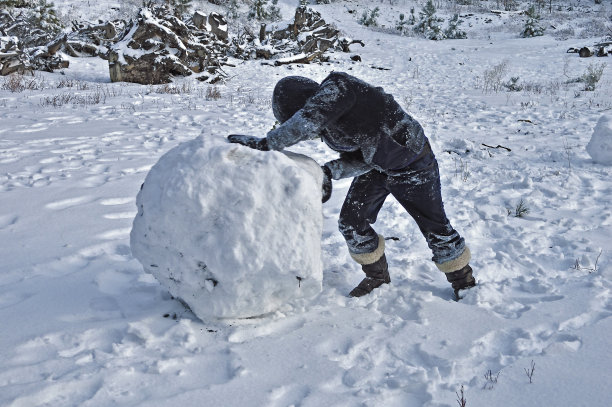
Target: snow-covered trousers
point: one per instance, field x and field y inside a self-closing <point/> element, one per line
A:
<point x="418" y="191"/>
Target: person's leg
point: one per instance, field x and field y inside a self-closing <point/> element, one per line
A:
<point x="360" y="209"/>
<point x="419" y="193"/>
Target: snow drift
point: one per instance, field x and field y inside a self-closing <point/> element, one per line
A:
<point x="600" y="146"/>
<point x="232" y="232"/>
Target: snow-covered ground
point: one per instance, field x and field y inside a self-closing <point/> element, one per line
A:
<point x="83" y="325"/>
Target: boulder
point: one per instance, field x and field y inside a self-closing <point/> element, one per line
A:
<point x="217" y="26"/>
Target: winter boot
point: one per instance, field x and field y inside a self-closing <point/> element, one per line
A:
<point x="461" y="279"/>
<point x="376" y="273"/>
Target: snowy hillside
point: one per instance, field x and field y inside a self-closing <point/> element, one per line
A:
<point x="84" y="325"/>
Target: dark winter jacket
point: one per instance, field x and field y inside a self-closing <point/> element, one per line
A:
<point x="363" y="123"/>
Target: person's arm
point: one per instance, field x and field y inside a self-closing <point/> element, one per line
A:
<point x="330" y="102"/>
<point x="255" y="143"/>
<point x="349" y="165"/>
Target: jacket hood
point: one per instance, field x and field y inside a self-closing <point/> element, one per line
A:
<point x="290" y="95"/>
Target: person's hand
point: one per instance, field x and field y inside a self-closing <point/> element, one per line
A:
<point x="255" y="143"/>
<point x="327" y="183"/>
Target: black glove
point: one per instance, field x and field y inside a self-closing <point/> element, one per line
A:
<point x="327" y="183"/>
<point x="255" y="143"/>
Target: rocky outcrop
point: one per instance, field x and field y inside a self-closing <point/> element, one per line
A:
<point x="304" y="40"/>
<point x="157" y="46"/>
<point x="25" y="47"/>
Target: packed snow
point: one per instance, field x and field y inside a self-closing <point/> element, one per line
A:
<point x="83" y="324"/>
<point x="600" y="145"/>
<point x="210" y="236"/>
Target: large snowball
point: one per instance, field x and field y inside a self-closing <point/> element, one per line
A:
<point x="231" y="231"/>
<point x="600" y="146"/>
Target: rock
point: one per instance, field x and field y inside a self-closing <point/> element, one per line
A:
<point x="199" y="20"/>
<point x="217" y="26"/>
<point x="585" y="52"/>
<point x="233" y="232"/>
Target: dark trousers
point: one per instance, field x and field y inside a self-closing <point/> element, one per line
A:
<point x="418" y="191"/>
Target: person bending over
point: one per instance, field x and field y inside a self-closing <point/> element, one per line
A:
<point x="386" y="152"/>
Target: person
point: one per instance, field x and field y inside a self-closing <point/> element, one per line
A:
<point x="386" y="151"/>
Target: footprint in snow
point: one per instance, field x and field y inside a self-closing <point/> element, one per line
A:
<point x="68" y="203"/>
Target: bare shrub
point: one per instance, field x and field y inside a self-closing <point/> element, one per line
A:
<point x="492" y="78"/>
<point x="62" y="99"/>
<point x="552" y="88"/>
<point x="592" y="75"/>
<point x="594" y="269"/>
<point x="20" y="83"/>
<point x="461" y="170"/>
<point x="461" y="400"/>
<point x="533" y="87"/>
<point x="530" y="372"/>
<point x="213" y="93"/>
<point x="112" y="91"/>
<point x="172" y="89"/>
<point x="71" y="83"/>
<point x="563" y="33"/>
<point x="520" y="210"/>
<point x="592" y="28"/>
<point x="491" y="379"/>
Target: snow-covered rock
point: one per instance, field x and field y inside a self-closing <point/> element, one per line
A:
<point x="231" y="231"/>
<point x="600" y="146"/>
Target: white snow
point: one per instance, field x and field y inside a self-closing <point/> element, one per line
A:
<point x="600" y="146"/>
<point x="210" y="236"/>
<point x="83" y="324"/>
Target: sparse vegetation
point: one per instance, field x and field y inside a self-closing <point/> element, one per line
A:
<point x="173" y="89"/>
<point x="491" y="379"/>
<point x="461" y="170"/>
<point x="75" y="99"/>
<point x="592" y="76"/>
<point x="532" y="28"/>
<point x="369" y="18"/>
<point x="594" y="269"/>
<point x="265" y="10"/>
<point x="15" y="3"/>
<point x="492" y="78"/>
<point x="512" y="85"/>
<point x="403" y="24"/>
<point x="71" y="83"/>
<point x="461" y="400"/>
<point x="213" y="93"/>
<point x="19" y="83"/>
<point x="429" y="23"/>
<point x="453" y="31"/>
<point x="530" y="371"/>
<point x="44" y="16"/>
<point x="180" y="7"/>
<point x="520" y="210"/>
<point x="508" y="5"/>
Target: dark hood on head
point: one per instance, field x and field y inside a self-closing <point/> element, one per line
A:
<point x="290" y="95"/>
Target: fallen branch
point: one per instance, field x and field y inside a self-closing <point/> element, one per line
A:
<point x="526" y="121"/>
<point x="345" y="44"/>
<point x="498" y="146"/>
<point x="298" y="59"/>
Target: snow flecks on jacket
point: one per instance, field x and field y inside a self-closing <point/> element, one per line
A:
<point x="352" y="116"/>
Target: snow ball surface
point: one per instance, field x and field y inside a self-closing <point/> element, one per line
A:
<point x="600" y="146"/>
<point x="233" y="232"/>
